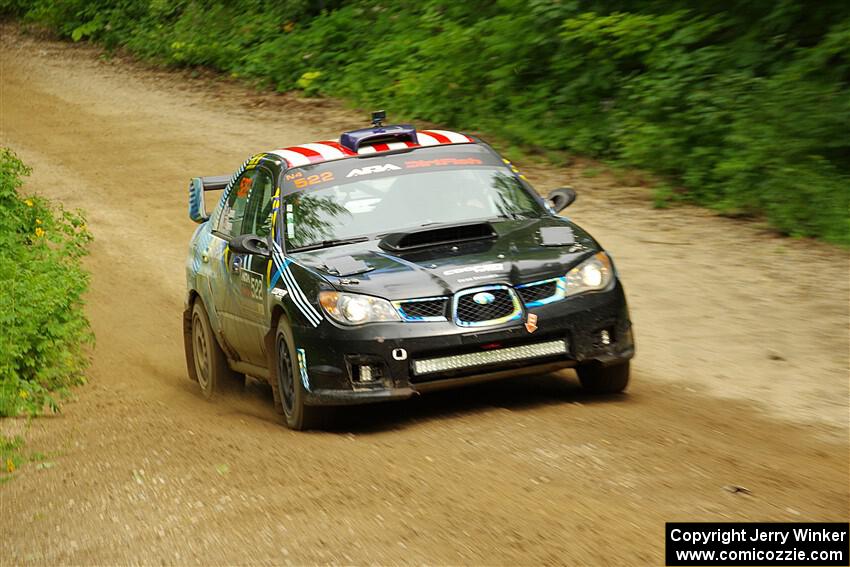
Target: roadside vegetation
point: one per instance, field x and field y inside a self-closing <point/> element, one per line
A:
<point x="45" y="332"/>
<point x="743" y="106"/>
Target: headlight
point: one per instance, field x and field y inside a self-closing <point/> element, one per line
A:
<point x="593" y="274"/>
<point x="356" y="309"/>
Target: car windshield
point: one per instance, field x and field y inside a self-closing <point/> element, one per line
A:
<point x="352" y="198"/>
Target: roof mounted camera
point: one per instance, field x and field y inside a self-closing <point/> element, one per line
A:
<point x="378" y="118"/>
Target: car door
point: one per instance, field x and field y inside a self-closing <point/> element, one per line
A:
<point x="226" y="267"/>
<point x="248" y="272"/>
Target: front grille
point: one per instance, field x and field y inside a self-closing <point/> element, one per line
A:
<point x="542" y="292"/>
<point x="430" y="309"/>
<point x="503" y="306"/>
<point x="537" y="292"/>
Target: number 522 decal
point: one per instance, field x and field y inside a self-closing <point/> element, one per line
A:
<point x="252" y="285"/>
<point x="302" y="182"/>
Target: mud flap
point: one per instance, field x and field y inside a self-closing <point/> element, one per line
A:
<point x="272" y="365"/>
<point x="187" y="344"/>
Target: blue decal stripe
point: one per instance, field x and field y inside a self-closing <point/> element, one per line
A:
<point x="302" y="365"/>
<point x="274" y="279"/>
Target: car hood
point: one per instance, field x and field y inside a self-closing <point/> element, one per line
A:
<point x="515" y="257"/>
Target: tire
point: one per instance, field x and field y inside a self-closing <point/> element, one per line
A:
<point x="290" y="389"/>
<point x="213" y="374"/>
<point x="598" y="379"/>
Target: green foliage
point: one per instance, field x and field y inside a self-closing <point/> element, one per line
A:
<point x="42" y="349"/>
<point x="744" y="105"/>
<point x="10" y="456"/>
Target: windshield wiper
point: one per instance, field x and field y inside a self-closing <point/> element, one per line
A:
<point x="330" y="243"/>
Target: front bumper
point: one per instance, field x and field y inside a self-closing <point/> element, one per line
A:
<point x="595" y="329"/>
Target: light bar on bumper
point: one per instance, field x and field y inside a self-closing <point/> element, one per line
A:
<point x="483" y="358"/>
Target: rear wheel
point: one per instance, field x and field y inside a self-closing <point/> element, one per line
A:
<point x="598" y="379"/>
<point x="213" y="374"/>
<point x="291" y="391"/>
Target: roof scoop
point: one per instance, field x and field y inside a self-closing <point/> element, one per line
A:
<point x="435" y="236"/>
<point x="378" y="134"/>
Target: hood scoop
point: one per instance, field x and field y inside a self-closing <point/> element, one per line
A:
<point x="346" y="266"/>
<point x="424" y="237"/>
<point x="557" y="236"/>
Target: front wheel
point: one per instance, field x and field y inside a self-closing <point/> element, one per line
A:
<point x="291" y="389"/>
<point x="598" y="379"/>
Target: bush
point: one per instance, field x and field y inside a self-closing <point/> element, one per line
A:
<point x="45" y="332"/>
<point x="744" y="104"/>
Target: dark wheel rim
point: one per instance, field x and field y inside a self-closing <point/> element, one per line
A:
<point x="284" y="375"/>
<point x="201" y="352"/>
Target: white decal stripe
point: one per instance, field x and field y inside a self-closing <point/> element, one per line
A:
<point x="281" y="265"/>
<point x="426" y="139"/>
<point x="366" y="150"/>
<point x="397" y="146"/>
<point x="453" y="137"/>
<point x="295" y="292"/>
<point x="327" y="152"/>
<point x="301" y="295"/>
<point x="305" y="306"/>
<point x="307" y="315"/>
<point x="293" y="158"/>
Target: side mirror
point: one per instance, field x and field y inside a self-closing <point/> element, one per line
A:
<point x="562" y="198"/>
<point x="250" y="244"/>
<point x="197" y="208"/>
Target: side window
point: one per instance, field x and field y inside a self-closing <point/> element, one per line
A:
<point x="258" y="213"/>
<point x="233" y="212"/>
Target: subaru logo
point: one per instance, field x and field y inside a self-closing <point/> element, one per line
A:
<point x="484" y="298"/>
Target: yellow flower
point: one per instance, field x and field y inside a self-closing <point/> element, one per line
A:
<point x="37" y="221"/>
<point x="288" y="27"/>
<point x="23" y="394"/>
<point x="28" y="202"/>
<point x="10" y="465"/>
<point x="39" y="232"/>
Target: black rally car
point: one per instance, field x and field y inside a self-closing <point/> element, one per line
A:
<point x="392" y="262"/>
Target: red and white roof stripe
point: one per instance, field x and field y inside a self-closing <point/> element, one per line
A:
<point x="306" y="154"/>
<point x="435" y="137"/>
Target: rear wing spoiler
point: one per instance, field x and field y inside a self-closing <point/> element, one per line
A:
<point x="197" y="187"/>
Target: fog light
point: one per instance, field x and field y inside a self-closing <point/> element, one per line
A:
<point x="605" y="337"/>
<point x="366" y="374"/>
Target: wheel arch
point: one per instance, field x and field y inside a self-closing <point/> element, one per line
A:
<point x="193" y="297"/>
<point x="277" y="313"/>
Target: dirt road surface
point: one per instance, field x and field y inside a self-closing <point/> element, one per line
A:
<point x="741" y="377"/>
